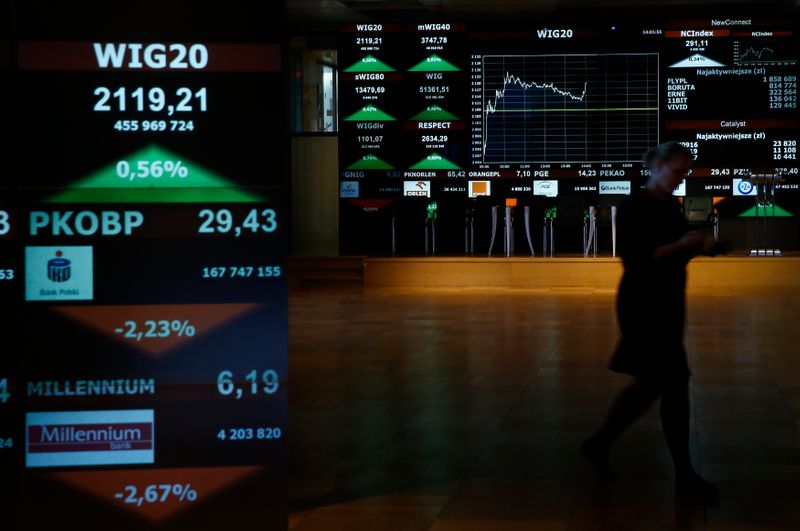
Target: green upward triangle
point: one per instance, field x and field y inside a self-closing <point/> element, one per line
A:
<point x="370" y="113"/>
<point x="434" y="63"/>
<point x="762" y="211"/>
<point x="370" y="162"/>
<point x="187" y="182"/>
<point x="434" y="161"/>
<point x="369" y="63"/>
<point x="434" y="113"/>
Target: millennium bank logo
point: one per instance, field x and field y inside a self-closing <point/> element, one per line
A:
<point x="85" y="438"/>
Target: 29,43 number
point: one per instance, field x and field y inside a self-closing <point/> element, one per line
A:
<point x="224" y="222"/>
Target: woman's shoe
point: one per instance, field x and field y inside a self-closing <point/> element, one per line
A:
<point x="597" y="455"/>
<point x="697" y="487"/>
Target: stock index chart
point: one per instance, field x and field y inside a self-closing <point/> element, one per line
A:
<point x="447" y="103"/>
<point x="142" y="263"/>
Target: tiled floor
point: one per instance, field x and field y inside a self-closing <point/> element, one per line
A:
<point x="462" y="410"/>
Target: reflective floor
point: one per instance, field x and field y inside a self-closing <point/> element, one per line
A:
<point x="463" y="409"/>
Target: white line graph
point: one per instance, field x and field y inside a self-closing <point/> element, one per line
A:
<point x="765" y="52"/>
<point x="568" y="107"/>
<point x="758" y="54"/>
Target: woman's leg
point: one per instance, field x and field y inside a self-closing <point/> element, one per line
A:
<point x="675" y="422"/>
<point x="631" y="403"/>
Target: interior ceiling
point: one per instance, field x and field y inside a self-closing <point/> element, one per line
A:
<point x="337" y="11"/>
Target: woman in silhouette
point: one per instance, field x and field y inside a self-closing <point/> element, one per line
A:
<point x="655" y="245"/>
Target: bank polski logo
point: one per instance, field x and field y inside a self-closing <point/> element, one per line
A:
<point x="59" y="273"/>
<point x="59" y="269"/>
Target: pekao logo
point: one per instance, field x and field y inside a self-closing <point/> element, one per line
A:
<point x="59" y="273"/>
<point x="615" y="187"/>
<point x="59" y="269"/>
<point x="85" y="438"/>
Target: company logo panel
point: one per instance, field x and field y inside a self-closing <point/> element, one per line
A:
<point x="417" y="188"/>
<point x="743" y="187"/>
<point x="85" y="438"/>
<point x="348" y="189"/>
<point x="615" y="187"/>
<point x="480" y="188"/>
<point x="59" y="273"/>
<point x="547" y="188"/>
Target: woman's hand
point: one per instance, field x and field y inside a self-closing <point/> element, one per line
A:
<point x="690" y="244"/>
<point x="693" y="240"/>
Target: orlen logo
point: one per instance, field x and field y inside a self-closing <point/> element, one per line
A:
<point x="84" y="438"/>
<point x="417" y="188"/>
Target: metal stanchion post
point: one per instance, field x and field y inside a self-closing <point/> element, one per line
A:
<point x="394" y="234"/>
<point x="544" y="232"/>
<point x="593" y="229"/>
<point x="715" y="224"/>
<point x="430" y="223"/>
<point x="585" y="235"/>
<point x="469" y="236"/>
<point x="614" y="230"/>
<point x="509" y="233"/>
<point x="494" y="229"/>
<point x="528" y="228"/>
<point x="472" y="234"/>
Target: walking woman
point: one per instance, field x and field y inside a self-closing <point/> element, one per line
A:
<point x="655" y="245"/>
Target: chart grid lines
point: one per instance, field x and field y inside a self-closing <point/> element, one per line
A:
<point x="568" y="108"/>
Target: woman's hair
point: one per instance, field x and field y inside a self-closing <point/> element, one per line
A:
<point x="665" y="151"/>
